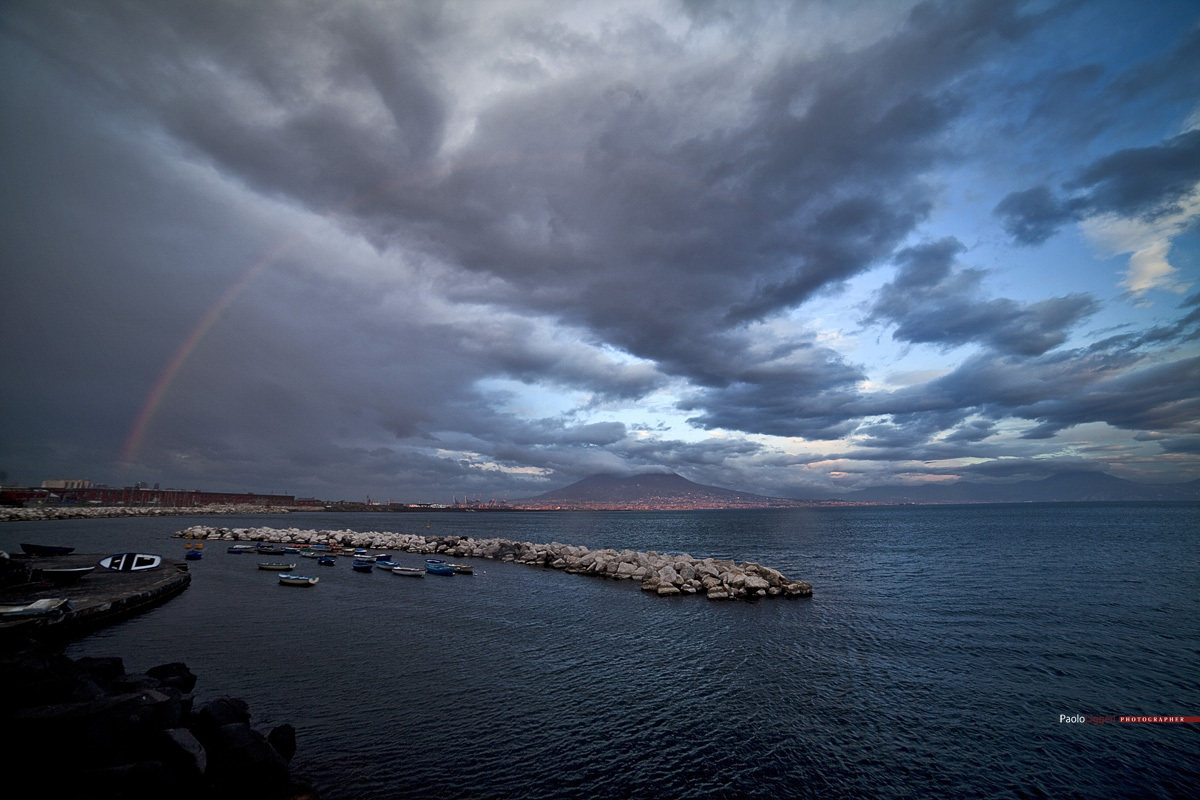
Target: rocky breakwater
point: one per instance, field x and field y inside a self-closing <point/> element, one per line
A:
<point x="661" y="573"/>
<point x="104" y="512"/>
<point x="87" y="729"/>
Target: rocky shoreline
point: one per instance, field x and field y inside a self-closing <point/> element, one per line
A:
<point x="661" y="573"/>
<point x="104" y="512"/>
<point x="88" y="729"/>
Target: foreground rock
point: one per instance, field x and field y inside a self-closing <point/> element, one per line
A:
<point x="661" y="573"/>
<point x="87" y="729"/>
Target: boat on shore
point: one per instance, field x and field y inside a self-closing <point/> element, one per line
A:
<point x="61" y="575"/>
<point x="276" y="566"/>
<point x="46" y="549"/>
<point x="46" y="607"/>
<point x="291" y="579"/>
<point x="130" y="562"/>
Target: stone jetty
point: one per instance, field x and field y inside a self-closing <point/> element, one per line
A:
<point x="86" y="728"/>
<point x="661" y="573"/>
<point x="34" y="513"/>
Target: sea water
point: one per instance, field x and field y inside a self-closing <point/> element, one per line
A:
<point x="967" y="651"/>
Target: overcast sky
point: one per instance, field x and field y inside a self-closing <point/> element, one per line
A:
<point x="414" y="250"/>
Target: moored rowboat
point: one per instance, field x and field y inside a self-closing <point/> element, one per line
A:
<point x="290" y="579"/>
<point x="412" y="572"/>
<point x="276" y="566"/>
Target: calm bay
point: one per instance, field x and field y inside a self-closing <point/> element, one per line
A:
<point x="940" y="652"/>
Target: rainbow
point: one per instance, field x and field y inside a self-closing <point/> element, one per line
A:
<point x="138" y="431"/>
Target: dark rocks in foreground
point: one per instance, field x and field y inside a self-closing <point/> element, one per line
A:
<point x="85" y="728"/>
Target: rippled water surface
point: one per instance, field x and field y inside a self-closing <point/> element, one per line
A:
<point x="940" y="648"/>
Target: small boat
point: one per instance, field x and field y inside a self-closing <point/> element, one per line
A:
<point x="326" y="561"/>
<point x="386" y="563"/>
<point x="363" y="566"/>
<point x="310" y="553"/>
<point x="267" y="550"/>
<point x="242" y="548"/>
<point x="131" y="562"/>
<point x="46" y="607"/>
<point x="437" y="568"/>
<point x="46" y="549"/>
<point x="291" y="550"/>
<point x="61" y="575"/>
<point x="411" y="572"/>
<point x="193" y="555"/>
<point x="291" y="579"/>
<point x="382" y="556"/>
<point x="276" y="566"/>
<point x="462" y="569"/>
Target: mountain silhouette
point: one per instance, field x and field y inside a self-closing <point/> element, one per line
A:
<point x="666" y="490"/>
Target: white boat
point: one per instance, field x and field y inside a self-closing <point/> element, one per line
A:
<point x="288" y="579"/>
<point x="463" y="569"/>
<point x="60" y="575"/>
<point x="277" y="566"/>
<point x="412" y="572"/>
<point x="131" y="562"/>
<point x="46" y="607"/>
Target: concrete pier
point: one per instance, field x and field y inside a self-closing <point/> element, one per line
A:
<point x="97" y="599"/>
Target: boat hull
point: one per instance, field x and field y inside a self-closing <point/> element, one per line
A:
<point x="61" y="575"/>
<point x="46" y="549"/>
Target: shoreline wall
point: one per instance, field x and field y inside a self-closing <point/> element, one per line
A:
<point x="661" y="573"/>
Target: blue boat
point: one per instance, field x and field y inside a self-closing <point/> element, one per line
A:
<point x="385" y="563"/>
<point x="193" y="555"/>
<point x="438" y="567"/>
<point x="326" y="561"/>
<point x="363" y="566"/>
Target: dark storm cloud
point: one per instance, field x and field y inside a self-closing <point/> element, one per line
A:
<point x="931" y="304"/>
<point x="1142" y="182"/>
<point x="615" y="214"/>
<point x="613" y="203"/>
